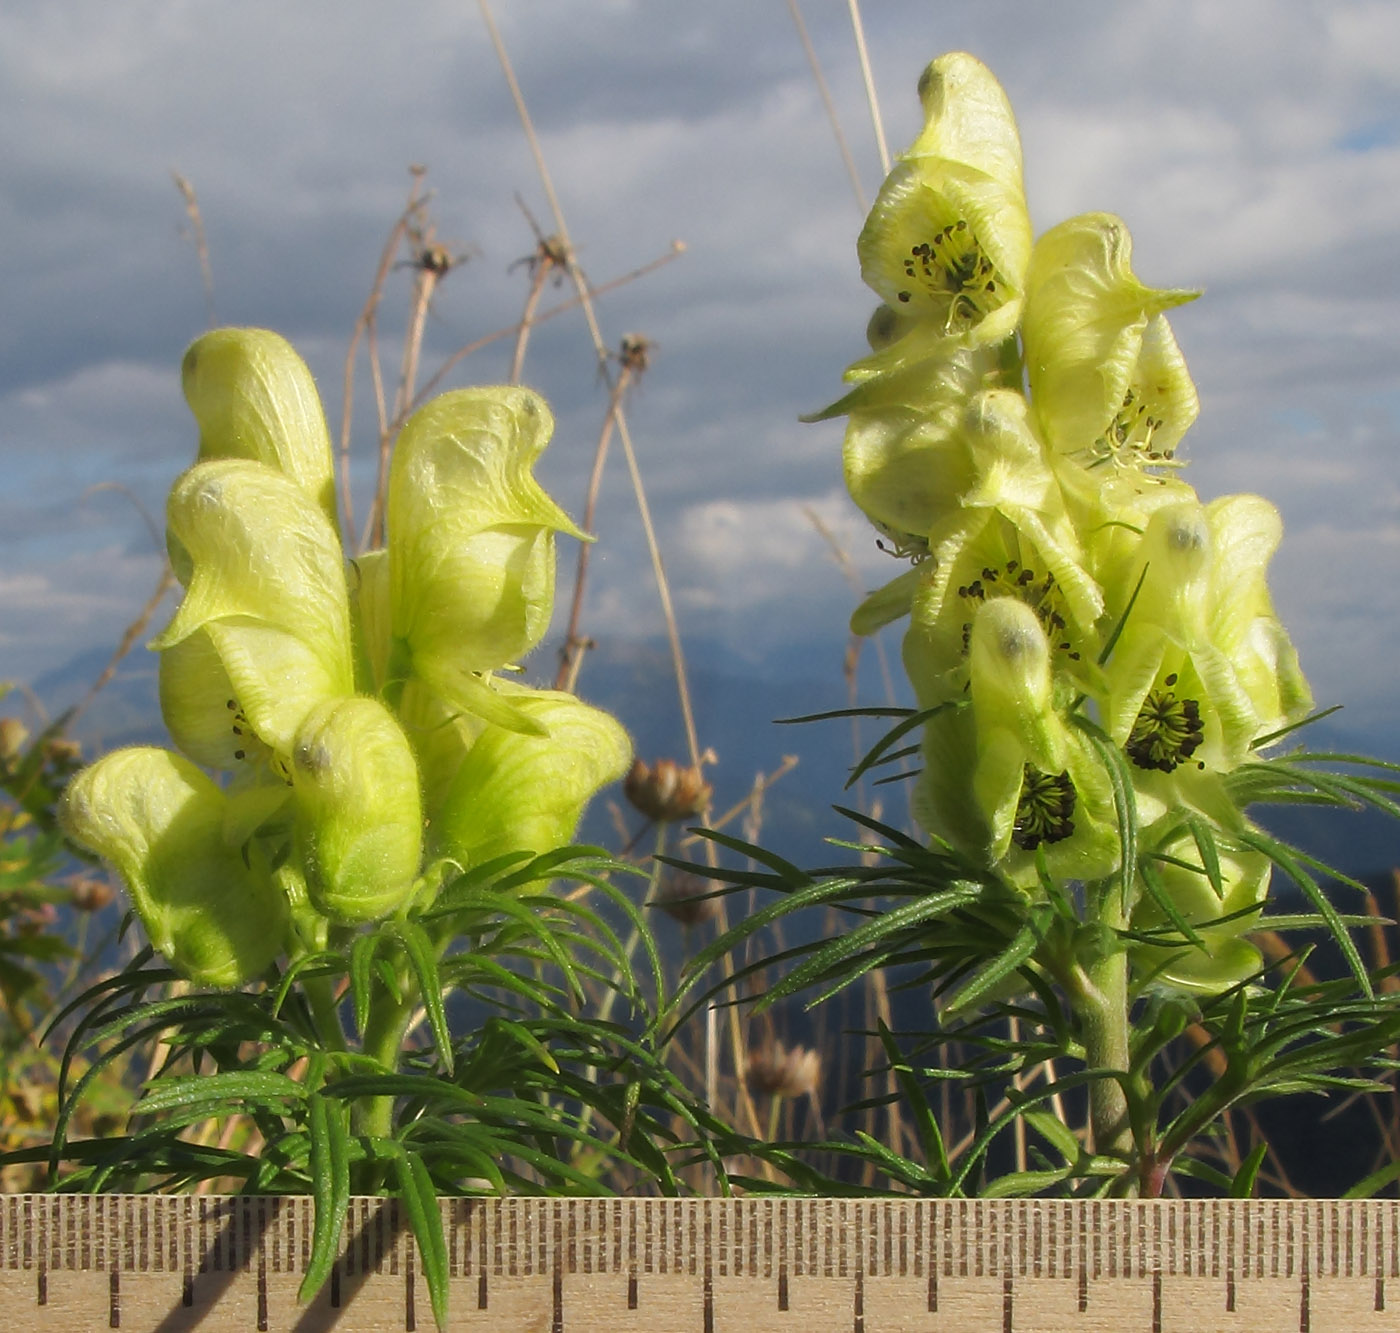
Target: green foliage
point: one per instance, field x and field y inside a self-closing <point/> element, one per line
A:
<point x="1007" y="1026"/>
<point x="536" y="1097"/>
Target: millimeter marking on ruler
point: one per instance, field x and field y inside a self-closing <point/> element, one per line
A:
<point x="711" y="1265"/>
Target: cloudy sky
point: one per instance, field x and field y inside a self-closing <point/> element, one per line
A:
<point x="1253" y="148"/>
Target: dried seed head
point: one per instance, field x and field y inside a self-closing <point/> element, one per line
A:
<point x="13" y="734"/>
<point x="634" y="352"/>
<point x="91" y="894"/>
<point x="780" y="1072"/>
<point x="63" y="755"/>
<point x="666" y="790"/>
<point x="682" y="896"/>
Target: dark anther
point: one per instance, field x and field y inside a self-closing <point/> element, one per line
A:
<point x="1046" y="809"/>
<point x="1168" y="731"/>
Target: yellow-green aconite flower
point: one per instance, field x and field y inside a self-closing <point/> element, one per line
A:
<point x="518" y="792"/>
<point x="159" y="821"/>
<point x="1202" y="663"/>
<point x="1226" y="959"/>
<point x="471" y="545"/>
<point x="254" y="398"/>
<point x="1106" y="376"/>
<point x="948" y="240"/>
<point x="1003" y="774"/>
<point x="263" y="632"/>
<point x="1005" y="533"/>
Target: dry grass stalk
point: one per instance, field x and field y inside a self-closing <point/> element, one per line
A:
<point x="366" y="326"/>
<point x="825" y="93"/>
<point x="201" y="242"/>
<point x="550" y="259"/>
<point x="574" y="645"/>
<point x="658" y="568"/>
<point x="858" y="28"/>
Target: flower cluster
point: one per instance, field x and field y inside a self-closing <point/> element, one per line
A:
<point x="1082" y="628"/>
<point x="365" y="743"/>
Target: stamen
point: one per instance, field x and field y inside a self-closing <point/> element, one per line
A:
<point x="1168" y="731"/>
<point x="953" y="264"/>
<point x="1046" y="809"/>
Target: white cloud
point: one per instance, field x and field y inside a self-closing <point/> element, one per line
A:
<point x="82" y="601"/>
<point x="1253" y="148"/>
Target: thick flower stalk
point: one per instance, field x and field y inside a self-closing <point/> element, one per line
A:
<point x="362" y="742"/>
<point x="1095" y="648"/>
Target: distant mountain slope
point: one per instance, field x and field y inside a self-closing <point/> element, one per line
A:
<point x="736" y="707"/>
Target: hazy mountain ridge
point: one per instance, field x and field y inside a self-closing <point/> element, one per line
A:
<point x="736" y="716"/>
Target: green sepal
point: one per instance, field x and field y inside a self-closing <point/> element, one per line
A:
<point x="267" y="586"/>
<point x="471" y="532"/>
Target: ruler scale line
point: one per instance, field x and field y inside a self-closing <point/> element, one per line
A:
<point x="709" y="1265"/>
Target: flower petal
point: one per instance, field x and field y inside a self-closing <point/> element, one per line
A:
<point x="267" y="586"/>
<point x="948" y="239"/>
<point x="1085" y="328"/>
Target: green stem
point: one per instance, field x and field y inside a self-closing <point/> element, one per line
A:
<point x="1102" y="1004"/>
<point x="384" y="1033"/>
<point x="320" y="995"/>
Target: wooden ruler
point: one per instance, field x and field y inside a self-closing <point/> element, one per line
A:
<point x="610" y="1265"/>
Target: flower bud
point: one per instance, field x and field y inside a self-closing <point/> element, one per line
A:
<point x="254" y="398"/>
<point x="517" y="792"/>
<point x="13" y="735"/>
<point x="1106" y="376"/>
<point x="471" y="540"/>
<point x="159" y="821"/>
<point x="1226" y="959"/>
<point x="686" y="898"/>
<point x="359" y="826"/>
<point x="91" y="894"/>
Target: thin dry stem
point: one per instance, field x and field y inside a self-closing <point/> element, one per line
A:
<point x="624" y="436"/>
<point x="571" y="653"/>
<point x="431" y="263"/>
<point x="825" y="93"/>
<point x="366" y="326"/>
<point x="548" y="259"/>
<point x="869" y="79"/>
<point x="553" y="312"/>
<point x="201" y="243"/>
<point x="527" y="321"/>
